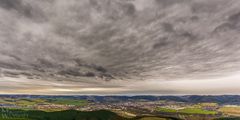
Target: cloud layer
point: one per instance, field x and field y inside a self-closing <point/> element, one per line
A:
<point x="112" y="43"/>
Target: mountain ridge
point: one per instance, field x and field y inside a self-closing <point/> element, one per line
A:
<point x="220" y="99"/>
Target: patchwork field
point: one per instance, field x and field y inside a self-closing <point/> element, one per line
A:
<point x="65" y="108"/>
<point x="230" y="110"/>
<point x="197" y="111"/>
<point x="187" y="111"/>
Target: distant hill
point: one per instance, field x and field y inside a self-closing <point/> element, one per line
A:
<point x="222" y="99"/>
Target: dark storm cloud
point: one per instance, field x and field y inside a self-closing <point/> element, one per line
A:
<point x="121" y="39"/>
<point x="10" y="4"/>
<point x="25" y="9"/>
<point x="167" y="3"/>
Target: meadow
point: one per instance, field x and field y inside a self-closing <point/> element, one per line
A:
<point x="187" y="111"/>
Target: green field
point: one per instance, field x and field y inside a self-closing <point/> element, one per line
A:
<point x="228" y="118"/>
<point x="168" y="110"/>
<point x="187" y="111"/>
<point x="153" y="118"/>
<point x="197" y="111"/>
<point x="31" y="102"/>
<point x="64" y="101"/>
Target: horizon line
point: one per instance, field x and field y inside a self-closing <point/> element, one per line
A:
<point x="129" y="95"/>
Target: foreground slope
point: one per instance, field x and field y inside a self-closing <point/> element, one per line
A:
<point x="8" y="114"/>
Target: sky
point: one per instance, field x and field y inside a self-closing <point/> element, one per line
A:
<point x="120" y="47"/>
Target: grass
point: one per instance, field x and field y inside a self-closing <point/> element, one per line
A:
<point x="31" y="102"/>
<point x="208" y="104"/>
<point x="124" y="114"/>
<point x="152" y="118"/>
<point x="6" y="101"/>
<point x="228" y="118"/>
<point x="25" y="102"/>
<point x="187" y="111"/>
<point x="63" y="101"/>
<point x="168" y="110"/>
<point x="197" y="111"/>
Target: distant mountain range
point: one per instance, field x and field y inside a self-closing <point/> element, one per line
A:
<point x="221" y="99"/>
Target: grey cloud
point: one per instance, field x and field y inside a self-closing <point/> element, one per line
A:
<point x="111" y="40"/>
<point x="24" y="9"/>
<point x="81" y="63"/>
<point x="10" y="4"/>
<point x="232" y="23"/>
<point x="166" y="3"/>
<point x="235" y="18"/>
<point x="224" y="27"/>
<point x="161" y="43"/>
<point x="209" y="7"/>
<point x="168" y="27"/>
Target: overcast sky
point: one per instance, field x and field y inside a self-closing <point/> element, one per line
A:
<point x="133" y="47"/>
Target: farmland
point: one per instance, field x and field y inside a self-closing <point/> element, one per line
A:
<point x="28" y="108"/>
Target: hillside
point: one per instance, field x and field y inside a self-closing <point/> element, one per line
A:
<point x="8" y="114"/>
